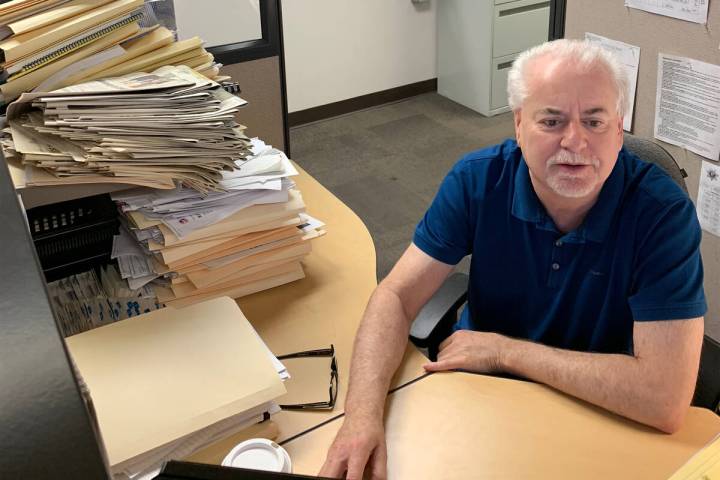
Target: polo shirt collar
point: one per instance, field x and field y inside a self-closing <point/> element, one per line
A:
<point x="526" y="205"/>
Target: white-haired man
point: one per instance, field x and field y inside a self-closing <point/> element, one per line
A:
<point x="585" y="274"/>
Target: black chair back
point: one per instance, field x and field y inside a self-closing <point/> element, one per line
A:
<point x="707" y="389"/>
<point x="652" y="152"/>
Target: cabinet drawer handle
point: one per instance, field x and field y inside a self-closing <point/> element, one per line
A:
<point x="504" y="65"/>
<point x="526" y="8"/>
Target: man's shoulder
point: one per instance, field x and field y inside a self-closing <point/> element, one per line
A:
<point x="489" y="164"/>
<point x="650" y="183"/>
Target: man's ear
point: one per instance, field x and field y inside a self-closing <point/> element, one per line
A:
<point x="517" y="117"/>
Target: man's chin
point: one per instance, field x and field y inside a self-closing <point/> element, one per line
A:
<point x="572" y="187"/>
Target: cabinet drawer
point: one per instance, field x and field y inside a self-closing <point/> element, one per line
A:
<point x="519" y="25"/>
<point x="498" y="89"/>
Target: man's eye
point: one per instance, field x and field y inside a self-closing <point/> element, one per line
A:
<point x="550" y="122"/>
<point x="593" y="123"/>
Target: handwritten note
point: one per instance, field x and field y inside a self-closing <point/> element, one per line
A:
<point x="690" y="10"/>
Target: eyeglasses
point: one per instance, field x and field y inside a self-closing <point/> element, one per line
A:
<point x="326" y="405"/>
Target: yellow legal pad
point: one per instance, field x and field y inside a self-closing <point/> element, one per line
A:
<point x="168" y="373"/>
<point x="704" y="465"/>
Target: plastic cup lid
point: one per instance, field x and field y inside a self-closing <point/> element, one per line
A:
<point x="259" y="454"/>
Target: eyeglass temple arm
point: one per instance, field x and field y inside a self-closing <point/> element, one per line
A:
<point x="322" y="352"/>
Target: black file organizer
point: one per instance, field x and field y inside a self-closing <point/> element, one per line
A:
<point x="74" y="236"/>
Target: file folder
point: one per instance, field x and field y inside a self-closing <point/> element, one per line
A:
<point x="166" y="374"/>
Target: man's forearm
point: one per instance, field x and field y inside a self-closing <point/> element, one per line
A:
<point x="379" y="347"/>
<point x="620" y="383"/>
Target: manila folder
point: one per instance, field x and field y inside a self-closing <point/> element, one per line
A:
<point x="160" y="376"/>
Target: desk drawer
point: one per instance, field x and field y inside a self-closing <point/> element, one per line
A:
<point x="520" y="25"/>
<point x="498" y="90"/>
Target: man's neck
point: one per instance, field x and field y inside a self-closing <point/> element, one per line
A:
<point x="567" y="213"/>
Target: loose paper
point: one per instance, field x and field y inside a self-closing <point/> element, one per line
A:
<point x="687" y="107"/>
<point x="690" y="10"/>
<point x="629" y="55"/>
<point x="708" y="200"/>
<point x="704" y="465"/>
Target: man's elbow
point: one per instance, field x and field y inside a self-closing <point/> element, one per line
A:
<point x="669" y="418"/>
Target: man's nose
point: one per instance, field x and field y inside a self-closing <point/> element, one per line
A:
<point x="574" y="137"/>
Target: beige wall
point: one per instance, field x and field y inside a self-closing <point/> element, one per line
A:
<point x="340" y="49"/>
<point x="653" y="34"/>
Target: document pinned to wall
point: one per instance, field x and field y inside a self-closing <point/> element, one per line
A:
<point x="690" y="10"/>
<point x="708" y="200"/>
<point x="629" y="55"/>
<point x="687" y="106"/>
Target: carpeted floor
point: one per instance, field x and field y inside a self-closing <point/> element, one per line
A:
<point x="386" y="163"/>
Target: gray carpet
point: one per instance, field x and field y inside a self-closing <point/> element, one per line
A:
<point x="386" y="163"/>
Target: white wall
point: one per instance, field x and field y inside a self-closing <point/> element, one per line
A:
<point x="225" y="22"/>
<point x="340" y="49"/>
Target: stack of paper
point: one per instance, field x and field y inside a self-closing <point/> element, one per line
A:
<point x="170" y="382"/>
<point x="50" y="44"/>
<point x="82" y="302"/>
<point x="160" y="129"/>
<point x="247" y="239"/>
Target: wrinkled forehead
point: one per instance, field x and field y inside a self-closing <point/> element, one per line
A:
<point x="552" y="80"/>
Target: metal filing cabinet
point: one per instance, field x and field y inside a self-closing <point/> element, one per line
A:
<point x="477" y="43"/>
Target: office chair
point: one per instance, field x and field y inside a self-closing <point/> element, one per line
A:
<point x="435" y="321"/>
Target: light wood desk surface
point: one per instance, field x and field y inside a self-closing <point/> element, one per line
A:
<point x="460" y="426"/>
<point x="323" y="308"/>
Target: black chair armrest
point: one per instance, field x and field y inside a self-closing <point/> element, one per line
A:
<point x="707" y="389"/>
<point x="435" y="320"/>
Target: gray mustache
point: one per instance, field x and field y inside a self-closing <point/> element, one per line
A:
<point x="568" y="158"/>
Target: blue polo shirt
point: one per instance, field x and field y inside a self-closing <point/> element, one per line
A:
<point x="635" y="257"/>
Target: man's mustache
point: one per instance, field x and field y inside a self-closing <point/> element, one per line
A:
<point x="563" y="157"/>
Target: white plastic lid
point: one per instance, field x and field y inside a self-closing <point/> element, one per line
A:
<point x="259" y="454"/>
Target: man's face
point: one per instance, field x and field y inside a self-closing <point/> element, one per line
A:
<point x="568" y="128"/>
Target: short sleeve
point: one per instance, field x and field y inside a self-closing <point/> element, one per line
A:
<point x="668" y="276"/>
<point x="445" y="231"/>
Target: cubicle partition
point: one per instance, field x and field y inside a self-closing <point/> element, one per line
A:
<point x="47" y="430"/>
<point x="656" y="34"/>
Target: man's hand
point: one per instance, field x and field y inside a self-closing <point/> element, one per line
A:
<point x="478" y="352"/>
<point x="359" y="443"/>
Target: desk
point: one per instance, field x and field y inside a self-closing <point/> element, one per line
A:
<point x="459" y="425"/>
<point x="323" y="308"/>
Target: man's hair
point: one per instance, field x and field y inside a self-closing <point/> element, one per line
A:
<point x="581" y="52"/>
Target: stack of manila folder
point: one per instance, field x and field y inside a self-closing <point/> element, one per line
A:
<point x="170" y="382"/>
<point x="50" y="44"/>
<point x="257" y="248"/>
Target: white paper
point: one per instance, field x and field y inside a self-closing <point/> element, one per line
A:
<point x="136" y="283"/>
<point x="125" y="245"/>
<point x="88" y="62"/>
<point x="708" y="199"/>
<point x="687" y="106"/>
<point x="629" y="56"/>
<point x="183" y="225"/>
<point x="134" y="266"/>
<point x="690" y="10"/>
<point x="310" y="223"/>
<point x="256" y="168"/>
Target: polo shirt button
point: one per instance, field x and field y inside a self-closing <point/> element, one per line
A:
<point x="558" y="243"/>
<point x="556" y="266"/>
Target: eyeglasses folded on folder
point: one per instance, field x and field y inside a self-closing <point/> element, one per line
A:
<point x="333" y="390"/>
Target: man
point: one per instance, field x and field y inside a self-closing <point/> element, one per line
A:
<point x="585" y="274"/>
